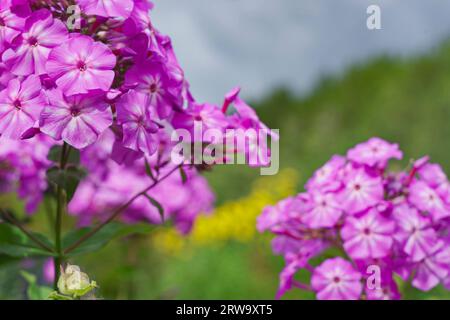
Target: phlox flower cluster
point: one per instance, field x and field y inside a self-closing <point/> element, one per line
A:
<point x="23" y="167"/>
<point x="114" y="184"/>
<point x="107" y="84"/>
<point x="394" y="222"/>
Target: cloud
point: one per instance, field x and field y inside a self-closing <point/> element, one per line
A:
<point x="264" y="44"/>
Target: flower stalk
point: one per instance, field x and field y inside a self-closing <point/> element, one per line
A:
<point x="60" y="209"/>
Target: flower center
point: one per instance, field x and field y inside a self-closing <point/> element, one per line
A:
<point x="153" y="88"/>
<point x="17" y="104"/>
<point x="81" y="66"/>
<point x="357" y="187"/>
<point x="2" y="22"/>
<point x="336" y="279"/>
<point x="75" y="112"/>
<point x="366" y="231"/>
<point x="33" y="42"/>
<point x="141" y="121"/>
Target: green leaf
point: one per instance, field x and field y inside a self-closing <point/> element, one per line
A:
<point x="183" y="175"/>
<point x="35" y="291"/>
<point x="54" y="295"/>
<point x="67" y="179"/>
<point x="82" y="292"/>
<point x="15" y="244"/>
<point x="148" y="170"/>
<point x="55" y="155"/>
<point x="111" y="231"/>
<point x="157" y="205"/>
<point x="7" y="260"/>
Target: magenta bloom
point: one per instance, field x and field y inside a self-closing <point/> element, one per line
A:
<point x="326" y="211"/>
<point x="433" y="175"/>
<point x="20" y="106"/>
<point x="328" y="174"/>
<point x="361" y="192"/>
<point x="41" y="33"/>
<point x="152" y="78"/>
<point x="398" y="221"/>
<point x="78" y="120"/>
<point x="415" y="233"/>
<point x="375" y="152"/>
<point x="80" y="65"/>
<point x="10" y="25"/>
<point x="27" y="160"/>
<point x="5" y="76"/>
<point x="107" y="8"/>
<point x="209" y="115"/>
<point x="48" y="271"/>
<point x="433" y="269"/>
<point x="369" y="236"/>
<point x="138" y="122"/>
<point x="287" y="277"/>
<point x="428" y="200"/>
<point x="336" y="279"/>
<point x="283" y="212"/>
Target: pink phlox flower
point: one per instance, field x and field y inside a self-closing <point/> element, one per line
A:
<point x="30" y="51"/>
<point x="374" y="152"/>
<point x="107" y="8"/>
<point x="139" y="121"/>
<point x="428" y="200"/>
<point x="81" y="65"/>
<point x="336" y="279"/>
<point x="325" y="212"/>
<point x="78" y="120"/>
<point x="433" y="269"/>
<point x="361" y="191"/>
<point x="10" y="25"/>
<point x="152" y="78"/>
<point x="414" y="232"/>
<point x="368" y="236"/>
<point x="21" y="103"/>
<point x="328" y="175"/>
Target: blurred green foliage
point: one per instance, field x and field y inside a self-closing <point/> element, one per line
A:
<point x="402" y="100"/>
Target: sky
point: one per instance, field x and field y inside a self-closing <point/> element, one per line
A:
<point x="260" y="45"/>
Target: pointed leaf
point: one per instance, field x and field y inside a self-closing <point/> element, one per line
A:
<point x="148" y="170"/>
<point x="67" y="179"/>
<point x="183" y="175"/>
<point x="15" y="244"/>
<point x="101" y="238"/>
<point x="157" y="205"/>
<point x="35" y="291"/>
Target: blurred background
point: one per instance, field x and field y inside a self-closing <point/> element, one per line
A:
<point x="312" y="69"/>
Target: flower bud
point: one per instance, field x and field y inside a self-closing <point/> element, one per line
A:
<point x="73" y="282"/>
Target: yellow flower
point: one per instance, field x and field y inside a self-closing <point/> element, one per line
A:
<point x="234" y="220"/>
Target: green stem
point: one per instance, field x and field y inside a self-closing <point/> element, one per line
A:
<point x="10" y="219"/>
<point x="49" y="210"/>
<point x="58" y="224"/>
<point x="116" y="213"/>
<point x="60" y="203"/>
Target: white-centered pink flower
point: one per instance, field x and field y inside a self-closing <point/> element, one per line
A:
<point x="81" y="65"/>
<point x="336" y="279"/>
<point x="368" y="236"/>
<point x="361" y="192"/>
<point x="21" y="103"/>
<point x="78" y="120"/>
